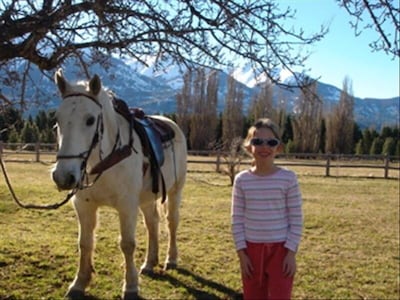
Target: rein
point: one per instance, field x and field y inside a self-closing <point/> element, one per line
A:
<point x="113" y="158"/>
<point x="32" y="206"/>
<point x="84" y="155"/>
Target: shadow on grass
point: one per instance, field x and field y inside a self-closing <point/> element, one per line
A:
<point x="195" y="292"/>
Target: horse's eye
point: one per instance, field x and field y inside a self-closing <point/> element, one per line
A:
<point x="90" y="121"/>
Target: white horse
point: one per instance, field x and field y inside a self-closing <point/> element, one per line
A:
<point x="89" y="129"/>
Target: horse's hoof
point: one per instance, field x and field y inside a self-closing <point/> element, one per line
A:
<point x="147" y="272"/>
<point x="131" y="296"/>
<point x="170" y="266"/>
<point x="75" y="295"/>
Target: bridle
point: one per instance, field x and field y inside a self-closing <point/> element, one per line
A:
<point x="85" y="154"/>
<point x="84" y="181"/>
<point x="115" y="156"/>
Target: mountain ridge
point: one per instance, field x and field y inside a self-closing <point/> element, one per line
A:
<point x="155" y="91"/>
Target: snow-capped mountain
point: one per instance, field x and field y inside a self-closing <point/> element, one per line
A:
<point x="155" y="90"/>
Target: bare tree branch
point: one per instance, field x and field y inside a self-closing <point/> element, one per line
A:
<point x="383" y="16"/>
<point x="209" y="33"/>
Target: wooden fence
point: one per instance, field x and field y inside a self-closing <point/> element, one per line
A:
<point x="17" y="152"/>
<point x="330" y="162"/>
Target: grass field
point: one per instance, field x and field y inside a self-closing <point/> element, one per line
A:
<point x="350" y="248"/>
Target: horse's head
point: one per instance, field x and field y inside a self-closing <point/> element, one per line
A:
<point x="78" y="128"/>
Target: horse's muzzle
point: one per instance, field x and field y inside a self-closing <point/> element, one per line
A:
<point x="65" y="180"/>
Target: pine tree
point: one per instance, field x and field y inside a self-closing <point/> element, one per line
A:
<point x="367" y="138"/>
<point x="287" y="130"/>
<point x="29" y="133"/>
<point x="41" y="120"/>
<point x="376" y="147"/>
<point x="359" y="150"/>
<point x="48" y="136"/>
<point x="13" y="136"/>
<point x="357" y="134"/>
<point x="290" y="147"/>
<point x="10" y="118"/>
<point x="389" y="146"/>
<point x="386" y="132"/>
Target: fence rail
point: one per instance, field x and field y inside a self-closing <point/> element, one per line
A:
<point x="18" y="152"/>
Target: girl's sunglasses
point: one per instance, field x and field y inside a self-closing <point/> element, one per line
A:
<point x="268" y="142"/>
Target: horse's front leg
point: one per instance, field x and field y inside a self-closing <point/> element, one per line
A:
<point x="87" y="216"/>
<point x="128" y="218"/>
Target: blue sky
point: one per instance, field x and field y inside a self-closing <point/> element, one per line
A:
<point x="341" y="53"/>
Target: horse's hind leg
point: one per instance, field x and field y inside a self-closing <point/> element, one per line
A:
<point x="151" y="219"/>
<point x="87" y="215"/>
<point x="128" y="217"/>
<point x="173" y="203"/>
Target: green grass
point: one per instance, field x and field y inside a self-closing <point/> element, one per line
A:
<point x="350" y="248"/>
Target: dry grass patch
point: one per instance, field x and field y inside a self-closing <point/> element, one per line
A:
<point x="350" y="248"/>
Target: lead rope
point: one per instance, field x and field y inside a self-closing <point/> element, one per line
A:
<point x="32" y="206"/>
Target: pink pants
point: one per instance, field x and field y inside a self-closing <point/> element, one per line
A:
<point x="268" y="281"/>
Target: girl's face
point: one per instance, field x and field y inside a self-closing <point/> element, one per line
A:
<point x="264" y="151"/>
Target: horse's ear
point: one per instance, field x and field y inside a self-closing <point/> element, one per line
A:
<point x="61" y="82"/>
<point x="95" y="85"/>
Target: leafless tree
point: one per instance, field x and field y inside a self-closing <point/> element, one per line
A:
<point x="340" y="123"/>
<point x="306" y="121"/>
<point x="382" y="16"/>
<point x="197" y="129"/>
<point x="262" y="104"/>
<point x="211" y="118"/>
<point x="197" y="108"/>
<point x="184" y="106"/>
<point x="204" y="118"/>
<point x="232" y="117"/>
<point x="204" y="33"/>
<point x="233" y="158"/>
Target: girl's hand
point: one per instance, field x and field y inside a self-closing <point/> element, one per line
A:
<point x="245" y="264"/>
<point x="289" y="264"/>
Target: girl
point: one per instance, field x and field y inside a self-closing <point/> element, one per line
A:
<point x="266" y="218"/>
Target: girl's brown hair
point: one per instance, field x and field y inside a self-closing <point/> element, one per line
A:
<point x="260" y="123"/>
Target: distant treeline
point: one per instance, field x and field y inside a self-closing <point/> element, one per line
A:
<point x="16" y="129"/>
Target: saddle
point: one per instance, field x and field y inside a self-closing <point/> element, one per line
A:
<point x="153" y="134"/>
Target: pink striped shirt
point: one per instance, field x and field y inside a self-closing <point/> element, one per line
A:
<point x="267" y="209"/>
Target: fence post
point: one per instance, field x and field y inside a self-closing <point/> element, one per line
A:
<point x="218" y="162"/>
<point x="37" y="150"/>
<point x="328" y="165"/>
<point x="386" y="160"/>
